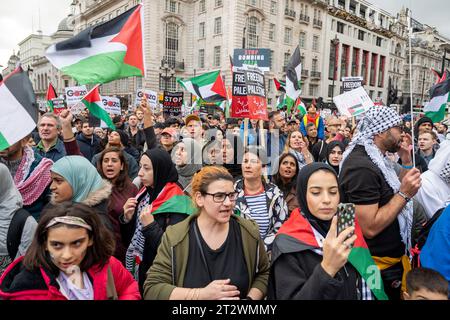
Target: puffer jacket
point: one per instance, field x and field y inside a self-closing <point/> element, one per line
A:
<point x="18" y="283"/>
<point x="277" y="207"/>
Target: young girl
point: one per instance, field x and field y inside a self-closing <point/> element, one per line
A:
<point x="69" y="259"/>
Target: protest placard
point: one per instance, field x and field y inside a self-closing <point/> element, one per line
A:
<point x="172" y="103"/>
<point x="353" y="103"/>
<point x="111" y="105"/>
<point x="152" y="97"/>
<point x="350" y="83"/>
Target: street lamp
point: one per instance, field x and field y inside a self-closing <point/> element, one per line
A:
<point x="335" y="43"/>
<point x="169" y="72"/>
<point x="423" y="84"/>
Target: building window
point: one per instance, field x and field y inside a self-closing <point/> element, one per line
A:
<point x="345" y="60"/>
<point x="171" y="43"/>
<point x="302" y="40"/>
<point x="355" y="62"/>
<point x="381" y="72"/>
<point x="218" y="25"/>
<point x="340" y="27"/>
<point x="169" y="85"/>
<point x="218" y="3"/>
<point x="202" y="6"/>
<point x="201" y="30"/>
<point x="287" y="35"/>
<point x="273" y="7"/>
<point x="313" y="90"/>
<point x="362" y="11"/>
<point x="361" y="35"/>
<point x="252" y="34"/>
<point x="334" y="50"/>
<point x="314" y="65"/>
<point x="364" y="65"/>
<point x="171" y="6"/>
<point x="287" y="57"/>
<point x="272" y="32"/>
<point x="201" y="58"/>
<point x="217" y="56"/>
<point x="373" y="69"/>
<point x="378" y="41"/>
<point x="315" y="44"/>
<point x="252" y="2"/>
<point x="330" y="91"/>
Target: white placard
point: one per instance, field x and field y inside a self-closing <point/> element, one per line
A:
<point x="152" y="97"/>
<point x="353" y="103"/>
<point x="111" y="105"/>
<point x="74" y="95"/>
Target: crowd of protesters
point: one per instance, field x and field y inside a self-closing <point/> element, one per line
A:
<point x="88" y="213"/>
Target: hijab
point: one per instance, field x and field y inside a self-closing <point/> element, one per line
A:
<point x="235" y="168"/>
<point x="330" y="148"/>
<point x="82" y="176"/>
<point x="322" y="226"/>
<point x="164" y="171"/>
<point x="194" y="161"/>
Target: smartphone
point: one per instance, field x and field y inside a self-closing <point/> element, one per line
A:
<point x="346" y="217"/>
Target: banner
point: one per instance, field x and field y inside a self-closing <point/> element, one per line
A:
<point x="152" y="97"/>
<point x="75" y="94"/>
<point x="172" y="103"/>
<point x="255" y="57"/>
<point x="58" y="105"/>
<point x="111" y="105"/>
<point x="353" y="103"/>
<point x="350" y="83"/>
<point x="249" y="94"/>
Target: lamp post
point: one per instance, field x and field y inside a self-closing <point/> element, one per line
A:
<point x="335" y="43"/>
<point x="168" y="72"/>
<point x="423" y="84"/>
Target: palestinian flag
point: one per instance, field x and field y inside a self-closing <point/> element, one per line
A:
<point x="105" y="52"/>
<point x="281" y="101"/>
<point x="172" y="199"/>
<point x="280" y="85"/>
<point x="296" y="235"/>
<point x="293" y="76"/>
<point x="208" y="86"/>
<point x="93" y="102"/>
<point x="436" y="109"/>
<point x="300" y="106"/>
<point x="51" y="94"/>
<point x="18" y="108"/>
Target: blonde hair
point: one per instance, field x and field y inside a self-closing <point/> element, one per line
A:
<point x="287" y="145"/>
<point x="207" y="175"/>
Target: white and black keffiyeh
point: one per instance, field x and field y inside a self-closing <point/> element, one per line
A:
<point x="377" y="120"/>
<point x="445" y="173"/>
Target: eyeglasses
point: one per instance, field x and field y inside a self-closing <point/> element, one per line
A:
<point x="220" y="197"/>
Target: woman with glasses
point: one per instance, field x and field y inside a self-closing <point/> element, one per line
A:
<point x="260" y="200"/>
<point x="213" y="254"/>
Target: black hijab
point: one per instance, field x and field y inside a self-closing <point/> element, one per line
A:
<point x="330" y="148"/>
<point x="305" y="173"/>
<point x="164" y="170"/>
<point x="235" y="168"/>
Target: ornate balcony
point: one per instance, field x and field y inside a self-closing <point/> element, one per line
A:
<point x="304" y="18"/>
<point x="289" y="13"/>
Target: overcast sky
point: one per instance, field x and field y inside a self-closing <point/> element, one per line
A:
<point x="20" y="18"/>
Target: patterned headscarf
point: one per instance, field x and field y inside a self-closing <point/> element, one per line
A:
<point x="445" y="173"/>
<point x="377" y="120"/>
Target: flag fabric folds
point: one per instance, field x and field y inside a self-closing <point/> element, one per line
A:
<point x="18" y="108"/>
<point x="280" y="85"/>
<point x="293" y="76"/>
<point x="105" y="52"/>
<point x="51" y="94"/>
<point x="93" y="102"/>
<point x="209" y="86"/>
<point x="436" y="109"/>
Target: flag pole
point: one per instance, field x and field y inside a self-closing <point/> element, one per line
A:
<point x="411" y="88"/>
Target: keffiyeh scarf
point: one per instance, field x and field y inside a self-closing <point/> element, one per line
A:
<point x="377" y="120"/>
<point x="445" y="173"/>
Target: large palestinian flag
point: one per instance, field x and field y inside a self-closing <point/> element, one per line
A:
<point x="208" y="86"/>
<point x="93" y="102"/>
<point x="436" y="109"/>
<point x="296" y="234"/>
<point x="105" y="52"/>
<point x="51" y="94"/>
<point x="293" y="77"/>
<point x="18" y="109"/>
<point x="172" y="200"/>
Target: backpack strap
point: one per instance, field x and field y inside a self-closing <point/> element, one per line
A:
<point x="15" y="231"/>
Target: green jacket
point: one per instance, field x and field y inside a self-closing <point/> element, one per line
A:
<point x="169" y="267"/>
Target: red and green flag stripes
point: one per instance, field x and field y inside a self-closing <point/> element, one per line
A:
<point x="51" y="94"/>
<point x="105" y="52"/>
<point x="298" y="227"/>
<point x="172" y="200"/>
<point x="94" y="104"/>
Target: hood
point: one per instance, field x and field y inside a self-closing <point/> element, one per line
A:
<point x="95" y="197"/>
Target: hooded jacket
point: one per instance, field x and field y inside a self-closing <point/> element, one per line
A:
<point x="18" y="283"/>
<point x="88" y="147"/>
<point x="169" y="268"/>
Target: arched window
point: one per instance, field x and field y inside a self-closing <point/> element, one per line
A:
<point x="171" y="43"/>
<point x="252" y="33"/>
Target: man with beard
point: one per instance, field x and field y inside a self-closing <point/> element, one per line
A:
<point x="382" y="199"/>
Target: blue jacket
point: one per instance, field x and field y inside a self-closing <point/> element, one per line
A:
<point x="319" y="125"/>
<point x="55" y="152"/>
<point x="88" y="147"/>
<point x="435" y="253"/>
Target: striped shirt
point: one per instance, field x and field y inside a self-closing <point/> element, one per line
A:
<point x="258" y="212"/>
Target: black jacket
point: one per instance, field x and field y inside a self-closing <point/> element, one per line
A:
<point x="88" y="147"/>
<point x="296" y="274"/>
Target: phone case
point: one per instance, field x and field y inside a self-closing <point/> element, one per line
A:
<point x="346" y="217"/>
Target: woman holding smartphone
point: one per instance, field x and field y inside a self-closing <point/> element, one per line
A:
<point x="310" y="261"/>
